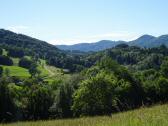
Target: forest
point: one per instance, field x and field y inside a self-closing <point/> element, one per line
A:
<point x="118" y="79"/>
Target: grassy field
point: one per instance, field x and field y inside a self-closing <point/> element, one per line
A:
<point x="17" y="71"/>
<point x="49" y="73"/>
<point x="154" y="116"/>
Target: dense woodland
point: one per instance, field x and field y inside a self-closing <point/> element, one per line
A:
<point x="102" y="83"/>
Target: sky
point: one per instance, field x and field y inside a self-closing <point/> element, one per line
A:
<point x="77" y="21"/>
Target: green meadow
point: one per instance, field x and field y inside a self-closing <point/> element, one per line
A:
<point x="153" y="116"/>
<point x="17" y="71"/>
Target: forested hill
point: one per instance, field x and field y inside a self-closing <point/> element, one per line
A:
<point x="133" y="57"/>
<point x="37" y="48"/>
<point x="25" y="42"/>
<point x="146" y="41"/>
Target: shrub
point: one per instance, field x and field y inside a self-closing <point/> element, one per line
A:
<point x="95" y="96"/>
<point x="5" y="60"/>
<point x="25" y="63"/>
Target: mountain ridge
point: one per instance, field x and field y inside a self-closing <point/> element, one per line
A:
<point x="145" y="41"/>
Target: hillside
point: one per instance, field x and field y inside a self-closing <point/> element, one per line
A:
<point x="36" y="86"/>
<point x="147" y="41"/>
<point x="154" y="116"/>
<point x="37" y="48"/>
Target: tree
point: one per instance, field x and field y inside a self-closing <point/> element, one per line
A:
<point x="163" y="89"/>
<point x="7" y="106"/>
<point x="164" y="67"/>
<point x="1" y="71"/>
<point x="33" y="70"/>
<point x="39" y="101"/>
<point x="63" y="102"/>
<point x="5" y="60"/>
<point x="95" y="96"/>
<point x="122" y="46"/>
<point x="25" y="63"/>
<point x="1" y="51"/>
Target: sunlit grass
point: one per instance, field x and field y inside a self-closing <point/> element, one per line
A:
<point x="154" y="116"/>
<point x="17" y="71"/>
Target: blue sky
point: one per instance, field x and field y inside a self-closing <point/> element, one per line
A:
<point x="75" y="21"/>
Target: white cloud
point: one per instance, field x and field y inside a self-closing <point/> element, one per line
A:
<point x="18" y="29"/>
<point x="122" y="35"/>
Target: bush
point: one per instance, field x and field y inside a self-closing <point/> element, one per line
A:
<point x="5" y="60"/>
<point x="25" y="63"/>
<point x="95" y="96"/>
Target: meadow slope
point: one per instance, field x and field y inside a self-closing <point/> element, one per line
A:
<point x="153" y="116"/>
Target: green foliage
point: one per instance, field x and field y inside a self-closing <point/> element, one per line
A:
<point x="33" y="70"/>
<point x="1" y="71"/>
<point x="7" y="106"/>
<point x="95" y="96"/>
<point x="117" y="79"/>
<point x="39" y="101"/>
<point x="63" y="102"/>
<point x="25" y="63"/>
<point x="15" y="52"/>
<point x="163" y="89"/>
<point x="19" y="45"/>
<point x="5" y="60"/>
<point x="164" y="67"/>
<point x="1" y="51"/>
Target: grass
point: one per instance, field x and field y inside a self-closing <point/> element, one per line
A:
<point x="4" y="52"/>
<point x="51" y="73"/>
<point x="17" y="71"/>
<point x="154" y="116"/>
<point x="15" y="61"/>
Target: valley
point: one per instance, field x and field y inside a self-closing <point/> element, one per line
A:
<point x="49" y="83"/>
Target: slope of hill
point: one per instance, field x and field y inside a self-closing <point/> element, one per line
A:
<point x="154" y="116"/>
<point x="143" y="41"/>
<point x="37" y="48"/>
<point x="33" y="45"/>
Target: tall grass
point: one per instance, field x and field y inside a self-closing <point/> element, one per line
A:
<point x="154" y="116"/>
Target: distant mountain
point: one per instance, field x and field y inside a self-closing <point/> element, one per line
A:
<point x="143" y="41"/>
<point x="86" y="47"/>
<point x="150" y="41"/>
<point x="147" y="41"/>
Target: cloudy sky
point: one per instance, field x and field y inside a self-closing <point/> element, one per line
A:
<point x="75" y="21"/>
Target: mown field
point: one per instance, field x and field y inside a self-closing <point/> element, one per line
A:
<point x="17" y="71"/>
<point x="49" y="73"/>
<point x="153" y="116"/>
